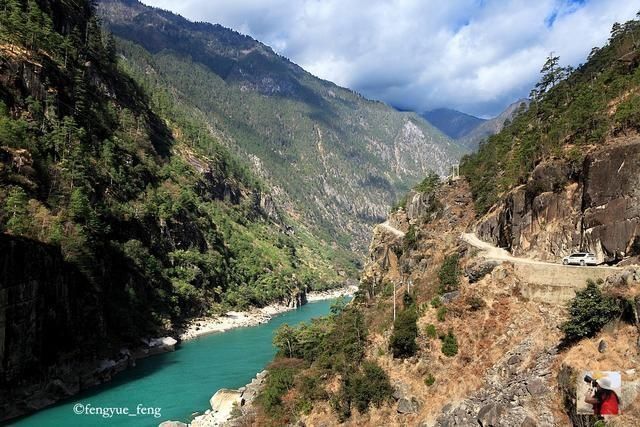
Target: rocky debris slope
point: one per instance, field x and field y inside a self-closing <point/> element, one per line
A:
<point x="564" y="208"/>
<point x="513" y="394"/>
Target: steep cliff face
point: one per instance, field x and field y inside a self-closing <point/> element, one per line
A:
<point x="47" y="310"/>
<point x="594" y="207"/>
<point x="47" y="305"/>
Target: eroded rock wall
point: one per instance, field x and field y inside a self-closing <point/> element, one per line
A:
<point x="47" y="310"/>
<point x="562" y="209"/>
<point x="44" y="306"/>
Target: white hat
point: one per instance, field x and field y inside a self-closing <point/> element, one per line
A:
<point x="605" y="383"/>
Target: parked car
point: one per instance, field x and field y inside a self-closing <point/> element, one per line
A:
<point x="580" y="258"/>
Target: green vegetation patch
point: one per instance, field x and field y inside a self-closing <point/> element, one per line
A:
<point x="405" y="331"/>
<point x="570" y="110"/>
<point x="449" y="274"/>
<point x="589" y="311"/>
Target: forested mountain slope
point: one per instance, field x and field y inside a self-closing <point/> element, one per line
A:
<point x="121" y="214"/>
<point x="563" y="176"/>
<point x="337" y="159"/>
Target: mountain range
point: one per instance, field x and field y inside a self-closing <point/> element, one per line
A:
<point x="332" y="157"/>
<point x="455" y="124"/>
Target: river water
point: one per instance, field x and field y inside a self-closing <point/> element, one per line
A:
<point x="174" y="385"/>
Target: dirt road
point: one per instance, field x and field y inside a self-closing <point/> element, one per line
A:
<point x="491" y="252"/>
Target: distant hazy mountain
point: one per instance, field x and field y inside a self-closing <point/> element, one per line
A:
<point x="467" y="130"/>
<point x="491" y="126"/>
<point x="452" y="123"/>
<point x="334" y="158"/>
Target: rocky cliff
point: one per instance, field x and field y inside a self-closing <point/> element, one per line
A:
<point x="594" y="206"/>
<point x="48" y="309"/>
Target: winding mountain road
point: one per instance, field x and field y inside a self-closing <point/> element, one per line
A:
<point x="491" y="252"/>
<point x="391" y="229"/>
<point x="542" y="281"/>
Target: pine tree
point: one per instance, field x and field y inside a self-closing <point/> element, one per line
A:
<point x="34" y="26"/>
<point x="405" y="331"/>
<point x="13" y="20"/>
<point x="16" y="210"/>
<point x="111" y="49"/>
<point x="551" y="74"/>
<point x="81" y="97"/>
<point x="79" y="206"/>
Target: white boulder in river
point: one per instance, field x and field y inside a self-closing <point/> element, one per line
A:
<point x="172" y="424"/>
<point x="222" y="403"/>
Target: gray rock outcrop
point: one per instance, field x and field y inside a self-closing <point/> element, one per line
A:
<point x="408" y="406"/>
<point x="562" y="209"/>
<point x="515" y="393"/>
<point x="478" y="268"/>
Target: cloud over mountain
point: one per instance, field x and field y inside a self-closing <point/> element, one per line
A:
<point x="473" y="55"/>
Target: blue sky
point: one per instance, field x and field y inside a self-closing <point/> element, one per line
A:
<point x="476" y="56"/>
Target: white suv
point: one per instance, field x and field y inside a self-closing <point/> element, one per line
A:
<point x="580" y="258"/>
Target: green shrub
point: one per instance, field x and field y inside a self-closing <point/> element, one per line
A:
<point x="449" y="274"/>
<point x="405" y="331"/>
<point x="449" y="345"/>
<point x="589" y="311"/>
<point x="369" y="387"/>
<point x="429" y="380"/>
<point x="429" y="184"/>
<point x="436" y="302"/>
<point x="431" y="331"/>
<point x="334" y="341"/>
<point x="628" y="113"/>
<point x="280" y="380"/>
<point x="311" y="388"/>
<point x="387" y="289"/>
<point x="408" y="300"/>
<point x="441" y="314"/>
<point x="400" y="203"/>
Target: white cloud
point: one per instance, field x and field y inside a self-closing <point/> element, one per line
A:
<point x="473" y="55"/>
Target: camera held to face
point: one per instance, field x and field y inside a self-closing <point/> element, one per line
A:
<point x="593" y="383"/>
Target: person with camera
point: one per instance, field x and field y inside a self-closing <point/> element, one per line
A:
<point x="605" y="401"/>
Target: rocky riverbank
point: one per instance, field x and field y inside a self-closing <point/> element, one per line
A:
<point x="256" y="316"/>
<point x="229" y="407"/>
<point x="332" y="293"/>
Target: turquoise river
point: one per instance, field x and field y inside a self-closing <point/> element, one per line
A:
<point x="181" y="382"/>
